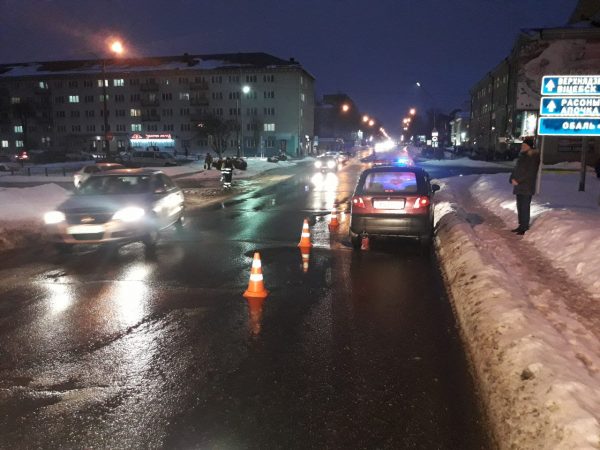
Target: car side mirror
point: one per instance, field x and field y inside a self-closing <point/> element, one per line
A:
<point x="435" y="187"/>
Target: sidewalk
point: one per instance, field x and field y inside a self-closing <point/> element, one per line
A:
<point x="528" y="307"/>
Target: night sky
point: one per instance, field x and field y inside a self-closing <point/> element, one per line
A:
<point x="372" y="50"/>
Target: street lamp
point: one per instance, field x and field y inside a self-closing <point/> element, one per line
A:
<point x="345" y="107"/>
<point x="432" y="100"/>
<point x="245" y="91"/>
<point x="117" y="48"/>
<point x="371" y="122"/>
<point x="365" y="118"/>
<point x="412" y="111"/>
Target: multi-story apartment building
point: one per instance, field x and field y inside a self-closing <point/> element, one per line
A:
<point x="505" y="102"/>
<point x="267" y="102"/>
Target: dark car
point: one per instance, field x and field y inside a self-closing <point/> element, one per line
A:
<point x="119" y="206"/>
<point x="393" y="201"/>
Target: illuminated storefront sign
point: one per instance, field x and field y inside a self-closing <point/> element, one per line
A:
<point x="157" y="140"/>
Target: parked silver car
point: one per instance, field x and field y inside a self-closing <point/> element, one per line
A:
<point x="119" y="206"/>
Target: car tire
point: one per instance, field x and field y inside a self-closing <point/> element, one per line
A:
<point x="151" y="239"/>
<point x="356" y="241"/>
<point x="64" y="249"/>
<point x="179" y="224"/>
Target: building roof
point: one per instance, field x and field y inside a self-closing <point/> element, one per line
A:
<point x="182" y="62"/>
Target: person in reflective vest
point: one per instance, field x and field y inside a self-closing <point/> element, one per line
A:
<point x="227" y="172"/>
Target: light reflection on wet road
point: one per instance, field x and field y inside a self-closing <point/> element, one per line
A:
<point x="122" y="349"/>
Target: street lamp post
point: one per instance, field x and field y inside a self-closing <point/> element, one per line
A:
<point x="245" y="90"/>
<point x="419" y="85"/>
<point x="117" y="48"/>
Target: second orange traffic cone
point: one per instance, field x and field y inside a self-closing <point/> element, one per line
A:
<point x="305" y="236"/>
<point x="333" y="222"/>
<point x="256" y="287"/>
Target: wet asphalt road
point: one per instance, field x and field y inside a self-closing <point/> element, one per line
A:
<point x="128" y="350"/>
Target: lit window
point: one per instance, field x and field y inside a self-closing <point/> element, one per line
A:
<point x="19" y="143"/>
<point x="136" y="127"/>
<point x="15" y="100"/>
<point x="135" y="112"/>
<point x="43" y="85"/>
<point x="269" y="127"/>
<point x="4" y="144"/>
<point x="18" y="128"/>
<point x="119" y="82"/>
<point x="100" y="83"/>
<point x="184" y="96"/>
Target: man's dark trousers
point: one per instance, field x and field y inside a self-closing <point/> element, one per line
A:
<point x="523" y="208"/>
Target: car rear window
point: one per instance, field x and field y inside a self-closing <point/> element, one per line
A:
<point x="392" y="182"/>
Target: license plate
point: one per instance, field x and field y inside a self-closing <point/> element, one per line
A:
<point x="389" y="204"/>
<point x="85" y="229"/>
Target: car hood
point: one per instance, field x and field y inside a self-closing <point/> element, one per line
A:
<point x="104" y="203"/>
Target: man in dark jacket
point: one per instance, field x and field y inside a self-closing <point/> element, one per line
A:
<point x="524" y="178"/>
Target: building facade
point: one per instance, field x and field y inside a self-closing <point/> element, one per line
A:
<point x="267" y="102"/>
<point x="505" y="102"/>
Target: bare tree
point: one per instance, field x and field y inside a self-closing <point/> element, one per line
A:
<point x="217" y="130"/>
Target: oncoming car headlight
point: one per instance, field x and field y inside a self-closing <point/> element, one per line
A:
<point x="129" y="214"/>
<point x="331" y="164"/>
<point x="53" y="217"/>
<point x="318" y="164"/>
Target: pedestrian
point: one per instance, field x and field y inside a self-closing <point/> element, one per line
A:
<point x="524" y="178"/>
<point x="208" y="161"/>
<point x="227" y="172"/>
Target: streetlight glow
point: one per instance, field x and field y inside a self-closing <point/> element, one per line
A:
<point x="418" y="84"/>
<point x="365" y="118"/>
<point x="412" y="111"/>
<point x="245" y="89"/>
<point x="371" y="122"/>
<point x="117" y="47"/>
<point x="345" y="107"/>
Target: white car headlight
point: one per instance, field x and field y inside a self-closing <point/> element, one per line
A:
<point x="318" y="164"/>
<point x="129" y="214"/>
<point x="52" y="217"/>
<point x="331" y="164"/>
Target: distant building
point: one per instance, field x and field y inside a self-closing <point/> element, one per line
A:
<point x="505" y="103"/>
<point x="159" y="101"/>
<point x="459" y="128"/>
<point x="337" y="122"/>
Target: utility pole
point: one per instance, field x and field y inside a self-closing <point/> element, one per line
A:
<point x="584" y="149"/>
<point x="105" y="110"/>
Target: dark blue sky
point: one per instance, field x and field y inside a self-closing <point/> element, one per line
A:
<point x="372" y="50"/>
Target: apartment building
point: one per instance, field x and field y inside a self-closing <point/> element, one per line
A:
<point x="267" y="102"/>
<point x="505" y="102"/>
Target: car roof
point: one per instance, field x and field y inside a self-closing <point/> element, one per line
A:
<point x="130" y="172"/>
<point x="395" y="168"/>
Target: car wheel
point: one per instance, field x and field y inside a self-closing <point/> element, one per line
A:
<point x="64" y="249"/>
<point x="356" y="241"/>
<point x="179" y="224"/>
<point x="151" y="239"/>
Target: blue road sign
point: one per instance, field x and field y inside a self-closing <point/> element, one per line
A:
<point x="570" y="106"/>
<point x="564" y="126"/>
<point x="571" y="85"/>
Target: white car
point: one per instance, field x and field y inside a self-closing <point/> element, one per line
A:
<point x="87" y="171"/>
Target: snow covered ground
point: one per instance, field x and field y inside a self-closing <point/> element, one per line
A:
<point x="528" y="307"/>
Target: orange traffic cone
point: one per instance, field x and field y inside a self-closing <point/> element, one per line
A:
<point x="305" y="252"/>
<point x="364" y="242"/>
<point x="333" y="222"/>
<point x="256" y="287"/>
<point x="255" y="310"/>
<point x="305" y="236"/>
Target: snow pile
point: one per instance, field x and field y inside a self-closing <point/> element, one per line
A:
<point x="531" y="330"/>
<point x="22" y="210"/>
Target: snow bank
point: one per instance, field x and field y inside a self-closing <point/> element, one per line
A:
<point x="22" y="210"/>
<point x="539" y="382"/>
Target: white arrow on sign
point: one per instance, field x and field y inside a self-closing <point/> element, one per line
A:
<point x="551" y="106"/>
<point x="550" y="85"/>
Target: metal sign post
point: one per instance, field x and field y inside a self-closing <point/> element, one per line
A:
<point x="584" y="148"/>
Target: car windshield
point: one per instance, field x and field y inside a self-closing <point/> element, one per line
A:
<point x="390" y="182"/>
<point x="116" y="185"/>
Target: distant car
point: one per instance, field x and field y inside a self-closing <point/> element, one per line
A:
<point x="7" y="163"/>
<point x="327" y="163"/>
<point x="118" y="206"/>
<point x="149" y="158"/>
<point x="87" y="171"/>
<point x="340" y="156"/>
<point x="393" y="201"/>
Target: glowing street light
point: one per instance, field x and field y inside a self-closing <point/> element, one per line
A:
<point x="345" y="107"/>
<point x="117" y="47"/>
<point x="371" y="122"/>
<point x="412" y="111"/>
<point x="365" y="118"/>
<point x="246" y="89"/>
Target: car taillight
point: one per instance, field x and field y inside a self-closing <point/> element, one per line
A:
<point x="422" y="202"/>
<point x="358" y="202"/>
